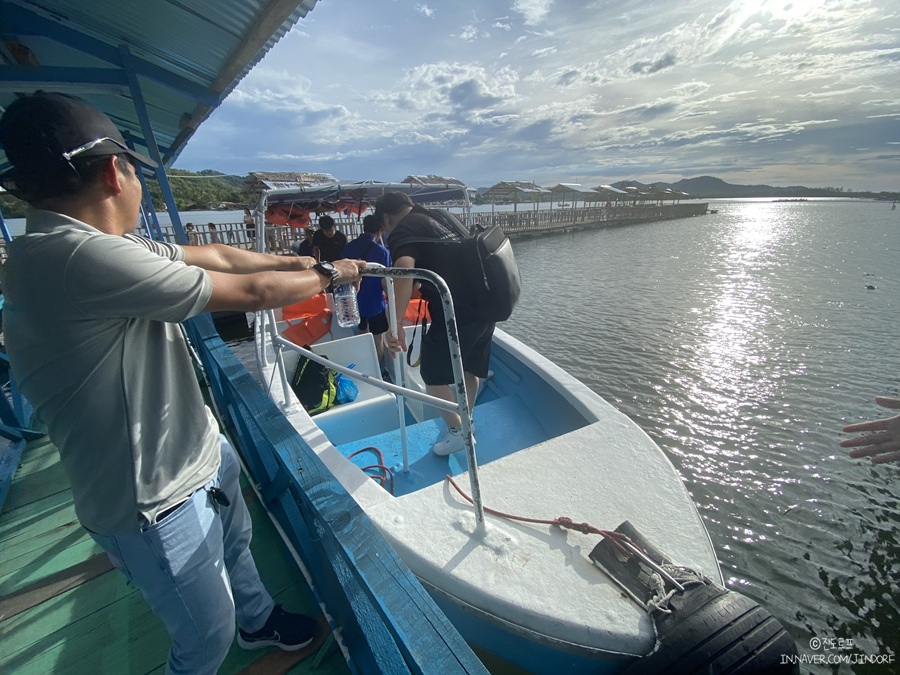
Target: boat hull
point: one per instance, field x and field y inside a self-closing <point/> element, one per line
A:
<point x="532" y="653"/>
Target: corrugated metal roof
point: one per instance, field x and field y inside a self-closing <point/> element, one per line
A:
<point x="185" y="56"/>
<point x="563" y="188"/>
<point x="505" y="189"/>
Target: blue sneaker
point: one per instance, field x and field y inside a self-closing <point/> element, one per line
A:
<point x="284" y="630"/>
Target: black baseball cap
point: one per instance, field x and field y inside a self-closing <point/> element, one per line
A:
<point x="45" y="131"/>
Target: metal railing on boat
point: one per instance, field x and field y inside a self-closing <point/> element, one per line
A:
<point x="460" y="406"/>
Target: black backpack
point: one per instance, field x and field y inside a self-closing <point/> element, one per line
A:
<point x="483" y="260"/>
<point x="314" y="385"/>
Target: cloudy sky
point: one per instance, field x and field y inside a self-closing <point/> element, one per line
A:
<point x="802" y="92"/>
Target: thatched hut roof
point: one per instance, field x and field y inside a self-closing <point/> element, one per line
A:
<point x="431" y="179"/>
<point x="513" y="190"/>
<point x="258" y="181"/>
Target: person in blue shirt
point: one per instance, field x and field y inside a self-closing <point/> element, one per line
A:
<point x="372" y="304"/>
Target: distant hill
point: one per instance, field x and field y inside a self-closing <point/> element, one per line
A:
<point x="233" y="181"/>
<point x="708" y="187"/>
<point x="202" y="189"/>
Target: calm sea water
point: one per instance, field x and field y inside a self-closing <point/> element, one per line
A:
<point x="741" y="342"/>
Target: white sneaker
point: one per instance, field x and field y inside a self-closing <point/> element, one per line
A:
<point x="452" y="441"/>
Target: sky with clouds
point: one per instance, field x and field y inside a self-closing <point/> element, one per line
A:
<point x="803" y="92"/>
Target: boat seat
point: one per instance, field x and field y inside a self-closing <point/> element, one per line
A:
<point x="374" y="410"/>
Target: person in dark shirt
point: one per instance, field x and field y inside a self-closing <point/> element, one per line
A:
<point x="410" y="231"/>
<point x="329" y="241"/>
<point x="250" y="225"/>
<point x="305" y="245"/>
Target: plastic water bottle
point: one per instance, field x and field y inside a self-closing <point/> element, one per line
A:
<point x="345" y="306"/>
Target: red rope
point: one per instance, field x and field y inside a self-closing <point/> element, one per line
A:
<point x="385" y="471"/>
<point x="562" y="521"/>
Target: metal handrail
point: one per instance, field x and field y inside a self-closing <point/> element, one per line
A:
<point x="461" y="406"/>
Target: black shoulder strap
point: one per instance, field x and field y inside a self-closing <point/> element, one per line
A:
<point x="448" y="221"/>
<point x="368" y="248"/>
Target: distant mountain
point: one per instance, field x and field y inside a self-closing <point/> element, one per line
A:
<point x="228" y="179"/>
<point x="708" y="187"/>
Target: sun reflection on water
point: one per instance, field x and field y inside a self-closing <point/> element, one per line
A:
<point x="735" y="340"/>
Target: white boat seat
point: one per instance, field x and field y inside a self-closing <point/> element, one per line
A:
<point x="374" y="410"/>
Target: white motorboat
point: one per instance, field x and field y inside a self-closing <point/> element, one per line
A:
<point x="536" y="594"/>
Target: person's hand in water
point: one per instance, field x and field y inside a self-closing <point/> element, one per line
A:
<point x="881" y="446"/>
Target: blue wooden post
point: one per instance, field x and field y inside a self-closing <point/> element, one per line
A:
<point x="6" y="234"/>
<point x="137" y="98"/>
<point x="12" y="417"/>
<point x="148" y="213"/>
<point x="153" y="228"/>
<point x="145" y="219"/>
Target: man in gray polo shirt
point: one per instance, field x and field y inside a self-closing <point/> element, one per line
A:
<point x="91" y="330"/>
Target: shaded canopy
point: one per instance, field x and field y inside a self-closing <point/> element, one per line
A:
<point x="514" y="189"/>
<point x="156" y="68"/>
<point x="293" y="205"/>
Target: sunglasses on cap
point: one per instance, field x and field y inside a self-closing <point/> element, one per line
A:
<point x="90" y="145"/>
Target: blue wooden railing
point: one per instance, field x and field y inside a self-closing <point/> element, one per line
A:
<point x="390" y="623"/>
<point x="15" y="414"/>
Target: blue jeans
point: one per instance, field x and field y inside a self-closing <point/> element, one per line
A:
<point x="195" y="570"/>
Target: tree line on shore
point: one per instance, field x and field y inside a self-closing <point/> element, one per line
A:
<point x="204" y="190"/>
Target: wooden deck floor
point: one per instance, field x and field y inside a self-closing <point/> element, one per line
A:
<point x="64" y="609"/>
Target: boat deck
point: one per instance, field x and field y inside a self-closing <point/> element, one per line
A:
<point x="65" y="609"/>
<point x="502" y="426"/>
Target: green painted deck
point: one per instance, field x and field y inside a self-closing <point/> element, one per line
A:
<point x="65" y="609"/>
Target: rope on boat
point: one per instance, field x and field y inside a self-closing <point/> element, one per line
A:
<point x="562" y="521"/>
<point x="658" y="573"/>
<point x="380" y="466"/>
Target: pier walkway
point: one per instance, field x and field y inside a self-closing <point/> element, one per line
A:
<point x="65" y="609"/>
<point x="521" y="223"/>
<point x="551" y="221"/>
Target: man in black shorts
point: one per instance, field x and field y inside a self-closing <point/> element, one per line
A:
<point x="410" y="232"/>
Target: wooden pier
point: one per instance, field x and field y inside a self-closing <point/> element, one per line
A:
<point x="523" y="223"/>
<point x="550" y="221"/>
<point x="65" y="609"/>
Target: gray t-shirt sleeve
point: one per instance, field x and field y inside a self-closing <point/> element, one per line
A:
<point x="110" y="276"/>
<point x="162" y="248"/>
